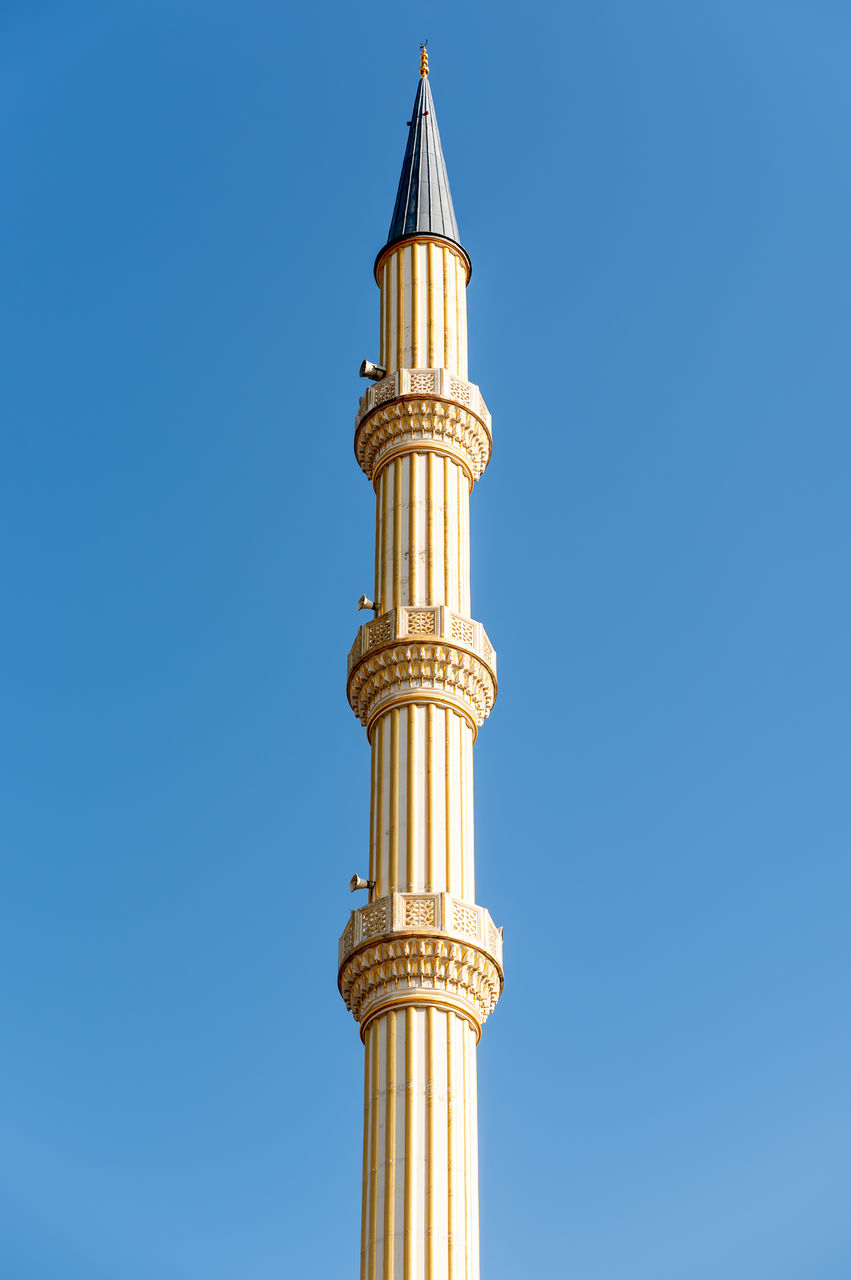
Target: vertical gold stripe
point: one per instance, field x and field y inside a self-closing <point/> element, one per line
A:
<point x="388" y="281"/>
<point x="467" y="744"/>
<point x="376" y="581"/>
<point x="400" y="306"/>
<point x="456" y="541"/>
<point x="452" y="546"/>
<point x="464" y="508"/>
<point x="450" y="1140"/>
<point x="465" y="1054"/>
<point x="460" y="487"/>
<point x="429" y="798"/>
<point x="474" y="1138"/>
<point x="379" y="537"/>
<point x="446" y="542"/>
<point x="460" y="301"/>
<point x="415" y="309"/>
<point x="382" y="319"/>
<point x="467" y="489"/>
<point x="447" y="783"/>
<point x="431" y="1146"/>
<point x="456" y="319"/>
<point x="453" y="315"/>
<point x="393" y="317"/>
<point x="390" y="1146"/>
<point x="411" y="798"/>
<point x="385" y="332"/>
<point x="389" y="477"/>
<point x="462" y="831"/>
<point x="460" y="335"/>
<point x="389" y="480"/>
<point x="382" y="502"/>
<point x="459" y="539"/>
<point x="462" y="317"/>
<point x="413" y="547"/>
<point x="374" y="1048"/>
<point x="385" y="271"/>
<point x="393" y="270"/>
<point x="429" y="470"/>
<point x="373" y="802"/>
<point x="408" y="252"/>
<point x="377" y="866"/>
<point x="453" y="559"/>
<point x="430" y="317"/>
<point x="366" y="1162"/>
<point x="464" y="543"/>
<point x="397" y="535"/>
<point x="393" y="875"/>
<point x="464" y="504"/>
<point x="410" y="1103"/>
<point x="428" y="334"/>
<point x="445" y="254"/>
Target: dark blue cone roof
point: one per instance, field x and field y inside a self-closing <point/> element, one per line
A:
<point x="423" y="201"/>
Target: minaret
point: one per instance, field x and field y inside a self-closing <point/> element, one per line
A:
<point x="420" y="965"/>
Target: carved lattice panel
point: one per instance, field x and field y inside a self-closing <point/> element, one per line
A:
<point x="462" y="630"/>
<point x="421" y="622"/>
<point x="380" y="632"/>
<point x="465" y="920"/>
<point x="374" y="919"/>
<point x="459" y="390"/>
<point x="385" y="390"/>
<point x="419" y="913"/>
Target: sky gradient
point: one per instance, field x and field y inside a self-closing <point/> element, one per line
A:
<point x="656" y="199"/>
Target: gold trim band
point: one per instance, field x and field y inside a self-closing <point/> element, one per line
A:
<point x="452" y="245"/>
<point x="418" y="1002"/>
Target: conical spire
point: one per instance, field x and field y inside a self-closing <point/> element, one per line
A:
<point x="423" y="201"/>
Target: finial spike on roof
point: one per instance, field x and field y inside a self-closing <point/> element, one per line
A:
<point x="423" y="200"/>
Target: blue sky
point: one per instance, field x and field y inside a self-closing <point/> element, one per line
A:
<point x="657" y="200"/>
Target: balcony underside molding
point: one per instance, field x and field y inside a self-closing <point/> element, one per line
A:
<point x="423" y="949"/>
<point x="423" y="410"/>
<point x="421" y="654"/>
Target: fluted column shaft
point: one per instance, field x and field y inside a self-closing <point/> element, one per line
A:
<point x="420" y="976"/>
<point x="424" y="307"/>
<point x="421" y="827"/>
<point x="422" y="532"/>
<point x="420" y="1202"/>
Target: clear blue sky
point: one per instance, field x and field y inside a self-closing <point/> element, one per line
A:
<point x="657" y="200"/>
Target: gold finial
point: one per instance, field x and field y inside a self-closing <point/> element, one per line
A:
<point x="423" y="59"/>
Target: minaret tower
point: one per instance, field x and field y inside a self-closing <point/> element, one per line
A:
<point x="420" y="965"/>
